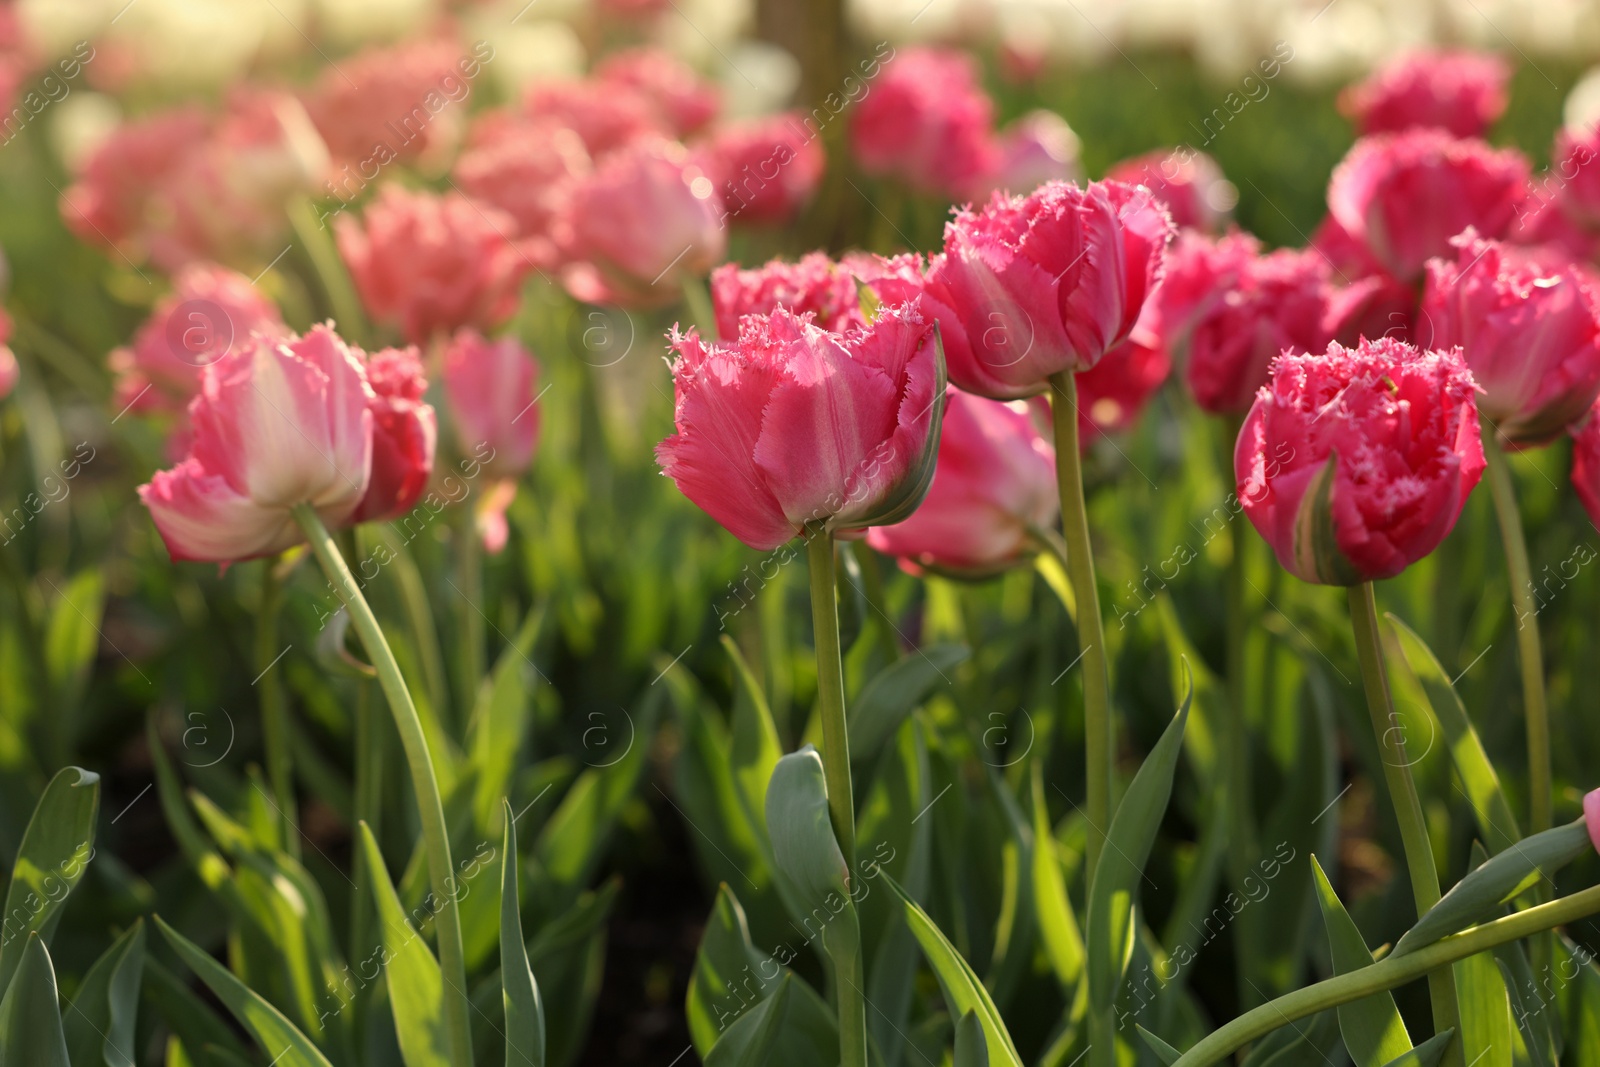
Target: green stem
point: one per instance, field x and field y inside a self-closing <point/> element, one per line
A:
<point x="436" y="838"/>
<point x="1387" y="973"/>
<point x="697" y="299"/>
<point x="1241" y="825"/>
<point x="469" y="579"/>
<point x="274" y="706"/>
<point x="836" y="771"/>
<point x="1529" y="651"/>
<point x="1390" y="734"/>
<point x="317" y="238"/>
<point x="1092" y="639"/>
<point x="368" y="803"/>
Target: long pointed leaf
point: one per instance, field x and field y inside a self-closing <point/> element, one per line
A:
<point x="416" y="988"/>
<point x="1373" y="1031"/>
<point x="56" y="850"/>
<point x="30" y="1019"/>
<point x="99" y="1025"/>
<point x="519" y="991"/>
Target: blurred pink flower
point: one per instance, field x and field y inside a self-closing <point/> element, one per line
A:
<point x="9" y="371"/>
<point x="404" y="435"/>
<point x="210" y="312"/>
<point x="394" y="102"/>
<point x="684" y="99"/>
<point x="1575" y="170"/>
<point x="815" y="284"/>
<point x="1458" y="91"/>
<point x="764" y="169"/>
<point x="527" y="169"/>
<point x="109" y="203"/>
<point x="995" y="482"/>
<point x="605" y="115"/>
<point x="1197" y="270"/>
<point x="430" y="264"/>
<point x="927" y="122"/>
<point x="645" y="221"/>
<point x="1113" y="392"/>
<point x="276" y="423"/>
<point x="1355" y="463"/>
<point x="493" y="406"/>
<point x="1039" y="147"/>
<point x="791" y="425"/>
<point x="1189" y="183"/>
<point x="1529" y="329"/>
<point x="1405" y="195"/>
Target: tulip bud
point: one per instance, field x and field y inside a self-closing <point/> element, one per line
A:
<point x="791" y="426"/>
<point x="995" y="483"/>
<point x="1357" y="462"/>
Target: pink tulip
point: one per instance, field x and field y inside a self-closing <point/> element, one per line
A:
<point x="645" y="221"/>
<point x="209" y="312"/>
<point x="1547" y="224"/>
<point x="1591" y="816"/>
<point x="493" y="405"/>
<point x="1189" y="183"/>
<point x="1039" y="147"/>
<point x="1044" y="283"/>
<point x="995" y="483"/>
<point x="1460" y="92"/>
<point x="1278" y="303"/>
<point x="764" y="169"/>
<point x="404" y="432"/>
<point x="394" y="102"/>
<point x="792" y="425"/>
<point x="9" y="371"/>
<point x="1529" y="329"/>
<point x="276" y="423"/>
<point x="1350" y="259"/>
<point x="430" y="264"/>
<point x="527" y="169"/>
<point x="1586" y="463"/>
<point x="685" y="100"/>
<point x="1355" y="463"/>
<point x="815" y="284"/>
<point x="606" y="115"/>
<point x="1197" y="271"/>
<point x="927" y="122"/>
<point x="1113" y="392"/>
<point x="1405" y="195"/>
<point x="1575" y="173"/>
<point x="1372" y="307"/>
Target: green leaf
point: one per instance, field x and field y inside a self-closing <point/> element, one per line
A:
<point x="803" y="844"/>
<point x="1528" y="1005"/>
<point x="1496" y="822"/>
<point x="519" y="991"/>
<point x="276" y="1035"/>
<point x="416" y="988"/>
<point x="971" y="1048"/>
<point x="1496" y="881"/>
<point x="727" y="959"/>
<point x="1058" y="928"/>
<point x="1485" y="1014"/>
<point x="1373" y="1031"/>
<point x="72" y="635"/>
<point x="1292" y="1045"/>
<point x="755" y="748"/>
<point x="1427" y="1054"/>
<point x="192" y="1021"/>
<point x="1164" y="1052"/>
<point x="56" y="849"/>
<point x="751" y="1041"/>
<point x="894" y="693"/>
<point x="1115" y="885"/>
<point x="499" y="720"/>
<point x="963" y="992"/>
<point x="100" y="1023"/>
<point x="30" y="1019"/>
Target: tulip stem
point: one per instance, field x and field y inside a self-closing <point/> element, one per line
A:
<point x="368" y="803"/>
<point x="697" y="299"/>
<point x="1389" y="731"/>
<point x="1241" y="828"/>
<point x="1092" y="640"/>
<point x="274" y="708"/>
<point x="836" y="767"/>
<point x="435" y="835"/>
<point x="1388" y="973"/>
<point x="317" y="237"/>
<point x="1529" y="650"/>
<point x="470" y="580"/>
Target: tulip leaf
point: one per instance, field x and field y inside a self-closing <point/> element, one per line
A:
<point x="803" y="844"/>
<point x="1497" y="824"/>
<point x="499" y="721"/>
<point x="755" y="748"/>
<point x="971" y="1048"/>
<point x="1529" y="1007"/>
<point x="896" y="691"/>
<point x="1163" y="1051"/>
<point x="751" y="1041"/>
<point x="1427" y="1054"/>
<point x="193" y="1022"/>
<point x="276" y="1035"/>
<point x="908" y="495"/>
<point x="1289" y="1045"/>
<point x="55" y="851"/>
<point x="1373" y="1031"/>
<point x="963" y="991"/>
<point x="1498" y="879"/>
<point x="30" y="1016"/>
<point x="1485" y="1005"/>
<point x="1058" y="927"/>
<point x="416" y="987"/>
<point x="518" y="990"/>
<point x="100" y="1023"/>
<point x="1115" y="885"/>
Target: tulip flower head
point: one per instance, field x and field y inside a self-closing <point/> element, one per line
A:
<point x="527" y="169"/>
<point x="1458" y="91"/>
<point x="1189" y="183"/>
<point x="1404" y="196"/>
<point x="1031" y="286"/>
<point x="1355" y="463"/>
<point x="994" y="485"/>
<point x="927" y="122"/>
<point x="685" y="101"/>
<point x="793" y="427"/>
<point x="1575" y="167"/>
<point x="815" y="284"/>
<point x="277" y="422"/>
<point x="490" y="386"/>
<point x="431" y="264"/>
<point x="1039" y="147"/>
<point x="1530" y="331"/>
<point x="404" y="434"/>
<point x="765" y="170"/>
